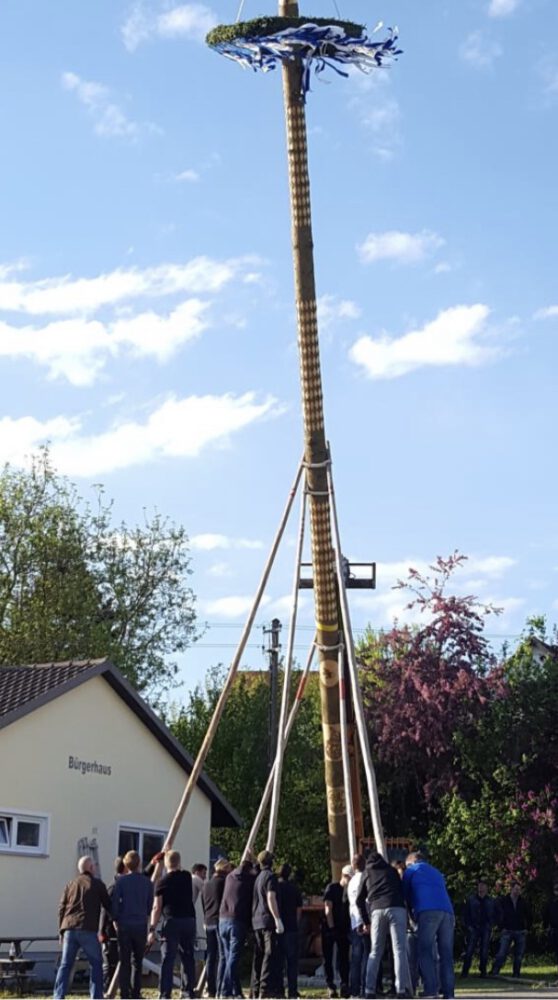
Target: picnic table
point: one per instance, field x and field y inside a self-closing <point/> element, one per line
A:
<point x="15" y="967"/>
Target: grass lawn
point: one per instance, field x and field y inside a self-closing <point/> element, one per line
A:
<point x="537" y="974"/>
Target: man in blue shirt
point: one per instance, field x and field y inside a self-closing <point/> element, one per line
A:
<point x="427" y="897"/>
<point x="132" y="899"/>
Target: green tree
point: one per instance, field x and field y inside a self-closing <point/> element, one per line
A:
<point x="507" y="823"/>
<point x="237" y="762"/>
<point x="74" y="585"/>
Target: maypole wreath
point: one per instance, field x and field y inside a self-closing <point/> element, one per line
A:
<point x="318" y="43"/>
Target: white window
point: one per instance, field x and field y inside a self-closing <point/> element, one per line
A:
<point x="145" y="840"/>
<point x="23" y="833"/>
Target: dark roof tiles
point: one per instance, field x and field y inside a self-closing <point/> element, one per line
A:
<point x="21" y="685"/>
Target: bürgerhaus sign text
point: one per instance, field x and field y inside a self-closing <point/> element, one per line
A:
<point x="88" y="766"/>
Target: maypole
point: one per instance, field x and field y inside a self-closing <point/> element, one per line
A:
<point x="315" y="452"/>
<point x="297" y="44"/>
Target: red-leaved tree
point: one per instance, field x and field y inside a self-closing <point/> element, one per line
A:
<point x="425" y="688"/>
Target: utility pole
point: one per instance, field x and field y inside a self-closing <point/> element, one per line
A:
<point x="272" y="651"/>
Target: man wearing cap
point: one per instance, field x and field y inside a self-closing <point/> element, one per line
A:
<point x="336" y="930"/>
<point x="267" y="926"/>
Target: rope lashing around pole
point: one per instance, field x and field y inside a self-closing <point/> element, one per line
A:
<point x="274" y="810"/>
<point x="318" y="465"/>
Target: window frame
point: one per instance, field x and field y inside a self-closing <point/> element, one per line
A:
<point x="14" y="817"/>
<point x="140" y="829"/>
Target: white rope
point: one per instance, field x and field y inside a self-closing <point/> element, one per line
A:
<point x="239" y="11"/>
<point x="274" y="811"/>
<point x="357" y="696"/>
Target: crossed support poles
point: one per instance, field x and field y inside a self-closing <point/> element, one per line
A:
<point x="349" y="688"/>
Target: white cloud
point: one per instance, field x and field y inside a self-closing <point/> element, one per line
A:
<point x="282" y="606"/>
<point x="220" y="570"/>
<point x="450" y="339"/>
<point x="489" y="566"/>
<point x="444" y="267"/>
<point x="404" y="248"/>
<point x="179" y="428"/>
<point x="66" y="295"/>
<point x="234" y="606"/>
<point x="331" y="309"/>
<point x="187" y="176"/>
<point x="387" y="604"/>
<point x="480" y="51"/>
<point x="109" y="118"/>
<point x="209" y="541"/>
<point x="19" y="437"/>
<point x="78" y="349"/>
<point x="190" y="20"/>
<point x="549" y="312"/>
<point x="501" y="8"/>
<point x="13" y="267"/>
<point x="378" y="112"/>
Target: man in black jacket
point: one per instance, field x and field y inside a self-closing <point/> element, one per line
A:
<point x="336" y="931"/>
<point x="514" y="919"/>
<point x="107" y="933"/>
<point x="383" y="906"/>
<point x="235" y="918"/>
<point x="290" y="905"/>
<point x="479" y="916"/>
<point x="267" y="926"/>
<point x="211" y="896"/>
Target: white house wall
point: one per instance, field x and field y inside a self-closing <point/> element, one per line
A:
<point x="93" y="724"/>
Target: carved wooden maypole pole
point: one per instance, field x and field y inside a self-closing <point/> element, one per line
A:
<point x="315" y="451"/>
<point x="297" y="45"/>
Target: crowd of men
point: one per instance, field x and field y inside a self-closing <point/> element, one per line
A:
<point x="378" y="918"/>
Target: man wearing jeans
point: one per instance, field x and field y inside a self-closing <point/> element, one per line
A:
<point x="514" y="920"/>
<point x="235" y="918"/>
<point x="78" y="922"/>
<point x="382" y="905"/>
<point x="427" y="897"/>
<point x="173" y="899"/>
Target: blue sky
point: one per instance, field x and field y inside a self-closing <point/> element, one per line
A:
<point x="146" y="302"/>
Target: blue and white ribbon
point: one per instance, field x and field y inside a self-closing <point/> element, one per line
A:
<point x="316" y="47"/>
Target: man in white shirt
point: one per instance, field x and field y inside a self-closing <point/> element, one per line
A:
<point x="360" y="939"/>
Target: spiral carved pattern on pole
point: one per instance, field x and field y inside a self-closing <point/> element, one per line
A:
<point x="315" y="453"/>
